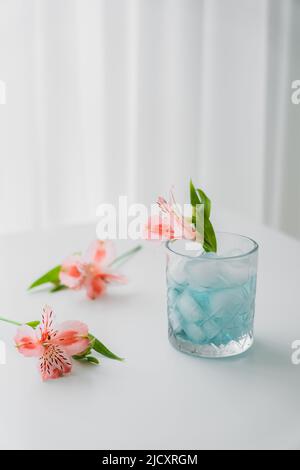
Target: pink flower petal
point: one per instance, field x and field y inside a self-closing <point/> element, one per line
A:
<point x="72" y="272"/>
<point x="168" y="226"/>
<point x="159" y="228"/>
<point x="47" y="323"/>
<point x="72" y="336"/>
<point x="27" y="342"/>
<point x="189" y="232"/>
<point x="164" y="205"/>
<point x="100" y="253"/>
<point x="114" y="278"/>
<point x="54" y="363"/>
<point x="95" y="287"/>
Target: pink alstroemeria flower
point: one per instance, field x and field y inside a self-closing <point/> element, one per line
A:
<point x="53" y="345"/>
<point x="169" y="224"/>
<point x="91" y="271"/>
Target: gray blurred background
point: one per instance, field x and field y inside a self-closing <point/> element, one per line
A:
<point x="110" y="97"/>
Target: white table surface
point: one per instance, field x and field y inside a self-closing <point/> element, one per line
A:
<point x="159" y="398"/>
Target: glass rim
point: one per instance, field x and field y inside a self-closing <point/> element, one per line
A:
<point x="219" y="258"/>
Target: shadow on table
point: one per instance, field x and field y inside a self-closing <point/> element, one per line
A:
<point x="269" y="358"/>
<point x="266" y="354"/>
<point x="263" y="354"/>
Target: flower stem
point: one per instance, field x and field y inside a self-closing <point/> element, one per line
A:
<point x="12" y="322"/>
<point x="123" y="258"/>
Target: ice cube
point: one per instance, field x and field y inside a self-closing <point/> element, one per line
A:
<point x="202" y="297"/>
<point x="174" y="320"/>
<point x="190" y="310"/>
<point x="176" y="271"/>
<point x="194" y="333"/>
<point x="211" y="271"/>
<point x="211" y="329"/>
<point x="226" y="303"/>
<point x="172" y="296"/>
<point x="203" y="273"/>
<point x="234" y="272"/>
<point x="194" y="249"/>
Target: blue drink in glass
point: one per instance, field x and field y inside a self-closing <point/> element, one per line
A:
<point x="211" y="296"/>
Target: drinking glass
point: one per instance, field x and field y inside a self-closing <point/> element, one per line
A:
<point x="211" y="296"/>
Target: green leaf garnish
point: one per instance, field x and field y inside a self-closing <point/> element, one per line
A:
<point x="101" y="349"/>
<point x="201" y="211"/>
<point x="50" y="277"/>
<point x="58" y="288"/>
<point x="33" y="324"/>
<point x="92" y="359"/>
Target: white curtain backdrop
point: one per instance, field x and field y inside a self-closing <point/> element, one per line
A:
<point x="110" y="97"/>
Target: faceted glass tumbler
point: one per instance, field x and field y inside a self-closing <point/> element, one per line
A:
<point x="211" y="296"/>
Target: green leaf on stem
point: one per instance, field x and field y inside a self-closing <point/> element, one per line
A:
<point x="103" y="350"/>
<point x="51" y="276"/>
<point x="33" y="324"/>
<point x="200" y="200"/>
<point x="58" y="288"/>
<point x="85" y="358"/>
<point x="92" y="360"/>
